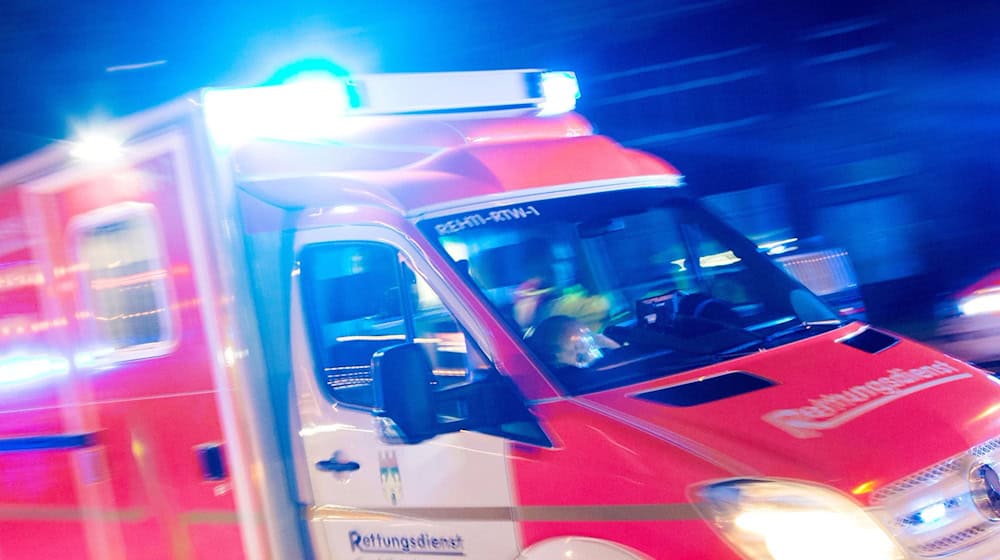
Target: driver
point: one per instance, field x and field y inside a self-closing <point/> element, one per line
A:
<point x="534" y="301"/>
<point x="552" y="289"/>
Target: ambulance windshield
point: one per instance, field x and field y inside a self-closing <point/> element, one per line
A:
<point x="614" y="288"/>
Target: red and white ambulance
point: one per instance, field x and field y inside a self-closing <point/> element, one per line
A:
<point x="435" y="316"/>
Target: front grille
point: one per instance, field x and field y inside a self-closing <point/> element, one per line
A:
<point x="922" y="479"/>
<point x="989" y="448"/>
<point x="949" y="544"/>
<point x="932" y="512"/>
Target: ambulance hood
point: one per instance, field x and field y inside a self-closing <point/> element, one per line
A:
<point x="820" y="409"/>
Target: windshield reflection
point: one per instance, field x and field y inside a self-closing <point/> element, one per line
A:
<point x="612" y="288"/>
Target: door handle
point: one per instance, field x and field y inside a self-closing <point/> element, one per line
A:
<point x="211" y="461"/>
<point x="334" y="464"/>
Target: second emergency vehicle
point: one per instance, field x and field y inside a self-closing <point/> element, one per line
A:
<point x="426" y="316"/>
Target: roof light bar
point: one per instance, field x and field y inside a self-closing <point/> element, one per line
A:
<point x="448" y="91"/>
<point x="309" y="109"/>
<point x="302" y="110"/>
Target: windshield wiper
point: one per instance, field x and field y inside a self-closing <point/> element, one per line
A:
<point x="708" y="344"/>
<point x="724" y="343"/>
<point x="763" y="342"/>
<point x="825" y="324"/>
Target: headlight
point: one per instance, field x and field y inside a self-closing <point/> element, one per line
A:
<point x="783" y="520"/>
<point x="981" y="302"/>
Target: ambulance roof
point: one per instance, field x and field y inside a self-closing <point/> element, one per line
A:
<point x="414" y="140"/>
<point x="526" y="152"/>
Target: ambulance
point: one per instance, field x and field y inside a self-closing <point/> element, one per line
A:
<point x="436" y="315"/>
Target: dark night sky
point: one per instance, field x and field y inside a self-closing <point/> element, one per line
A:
<point x="75" y="62"/>
<point x="66" y="61"/>
<point x="62" y="60"/>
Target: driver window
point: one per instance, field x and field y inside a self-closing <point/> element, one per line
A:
<point x="360" y="298"/>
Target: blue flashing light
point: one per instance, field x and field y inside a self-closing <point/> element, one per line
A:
<point x="20" y="368"/>
<point x="96" y="147"/>
<point x="932" y="513"/>
<point x="560" y="90"/>
<point x="305" y="109"/>
<point x="308" y="67"/>
<point x="980" y="304"/>
<point x="91" y="358"/>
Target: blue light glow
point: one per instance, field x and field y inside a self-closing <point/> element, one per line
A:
<point x="979" y="304"/>
<point x="91" y="358"/>
<point x="780" y="247"/>
<point x="560" y="91"/>
<point x="20" y="368"/>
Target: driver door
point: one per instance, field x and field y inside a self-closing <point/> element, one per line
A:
<point x="362" y="497"/>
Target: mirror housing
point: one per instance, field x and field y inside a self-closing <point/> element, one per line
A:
<point x="404" y="391"/>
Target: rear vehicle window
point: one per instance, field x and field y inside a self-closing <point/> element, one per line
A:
<point x="123" y="275"/>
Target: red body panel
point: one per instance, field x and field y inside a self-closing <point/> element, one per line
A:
<point x="914" y="429"/>
<point x="33" y="485"/>
<point x="148" y="414"/>
<point x="615" y="449"/>
<point x="603" y="462"/>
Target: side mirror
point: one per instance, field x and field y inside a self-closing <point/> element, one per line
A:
<point x="411" y="408"/>
<point x="404" y="392"/>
